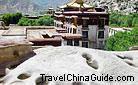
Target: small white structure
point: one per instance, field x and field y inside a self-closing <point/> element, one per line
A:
<point x="113" y="31"/>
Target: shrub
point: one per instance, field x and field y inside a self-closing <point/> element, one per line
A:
<point x="11" y="18"/>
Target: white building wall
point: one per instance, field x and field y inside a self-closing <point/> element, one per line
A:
<point x="106" y="32"/>
<point x="92" y="35"/>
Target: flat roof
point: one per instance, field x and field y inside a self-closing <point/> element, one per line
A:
<point x="15" y="30"/>
<point x="38" y="33"/>
<point x="21" y="30"/>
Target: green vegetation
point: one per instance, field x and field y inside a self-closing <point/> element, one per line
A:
<point x="11" y="18"/>
<point x="17" y="18"/>
<point x="43" y="21"/>
<point x="121" y="41"/>
<point x="120" y="20"/>
<point x="26" y="22"/>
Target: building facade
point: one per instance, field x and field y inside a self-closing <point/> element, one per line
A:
<point x="78" y="18"/>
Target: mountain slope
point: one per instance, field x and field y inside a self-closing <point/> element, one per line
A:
<point x="34" y="6"/>
<point x="24" y="6"/>
<point x="28" y="6"/>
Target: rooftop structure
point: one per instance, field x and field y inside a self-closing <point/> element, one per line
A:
<point x="76" y="4"/>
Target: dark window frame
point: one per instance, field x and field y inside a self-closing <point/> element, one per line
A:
<point x="85" y="44"/>
<point x="101" y="34"/>
<point x="76" y="43"/>
<point x="93" y="21"/>
<point x="101" y="23"/>
<point x="84" y="34"/>
<point x="70" y="42"/>
<point x="74" y="31"/>
<point x="85" y="23"/>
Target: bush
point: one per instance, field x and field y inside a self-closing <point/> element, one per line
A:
<point x="11" y="18"/>
<point x="135" y="22"/>
<point x="43" y="21"/>
<point x="24" y="21"/>
<point x="46" y="20"/>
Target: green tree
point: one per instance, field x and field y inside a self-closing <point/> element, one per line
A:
<point x="24" y="21"/>
<point x="43" y="21"/>
<point x="135" y="22"/>
<point x="46" y="20"/>
<point x="6" y="18"/>
<point x="11" y="18"/>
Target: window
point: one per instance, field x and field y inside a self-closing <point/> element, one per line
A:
<point x="101" y="34"/>
<point x="106" y="22"/>
<point x="61" y="25"/>
<point x="57" y="25"/>
<point x="101" y="44"/>
<point x="54" y="23"/>
<point x="101" y="23"/>
<point x="85" y="34"/>
<point x="85" y="44"/>
<point x="68" y="20"/>
<point x="85" y="23"/>
<point x="79" y="21"/>
<point x="70" y="30"/>
<point x="67" y="30"/>
<point x="74" y="31"/>
<point x="76" y="42"/>
<point x="69" y="42"/>
<point x="94" y="21"/>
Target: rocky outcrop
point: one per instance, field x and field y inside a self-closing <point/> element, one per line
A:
<point x="57" y="61"/>
<point x="13" y="6"/>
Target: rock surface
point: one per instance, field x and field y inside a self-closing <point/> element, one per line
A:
<point x="57" y="61"/>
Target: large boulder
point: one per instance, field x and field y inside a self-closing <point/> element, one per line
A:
<point x="75" y="61"/>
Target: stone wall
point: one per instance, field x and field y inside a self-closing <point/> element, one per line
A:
<point x="13" y="52"/>
<point x="13" y="55"/>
